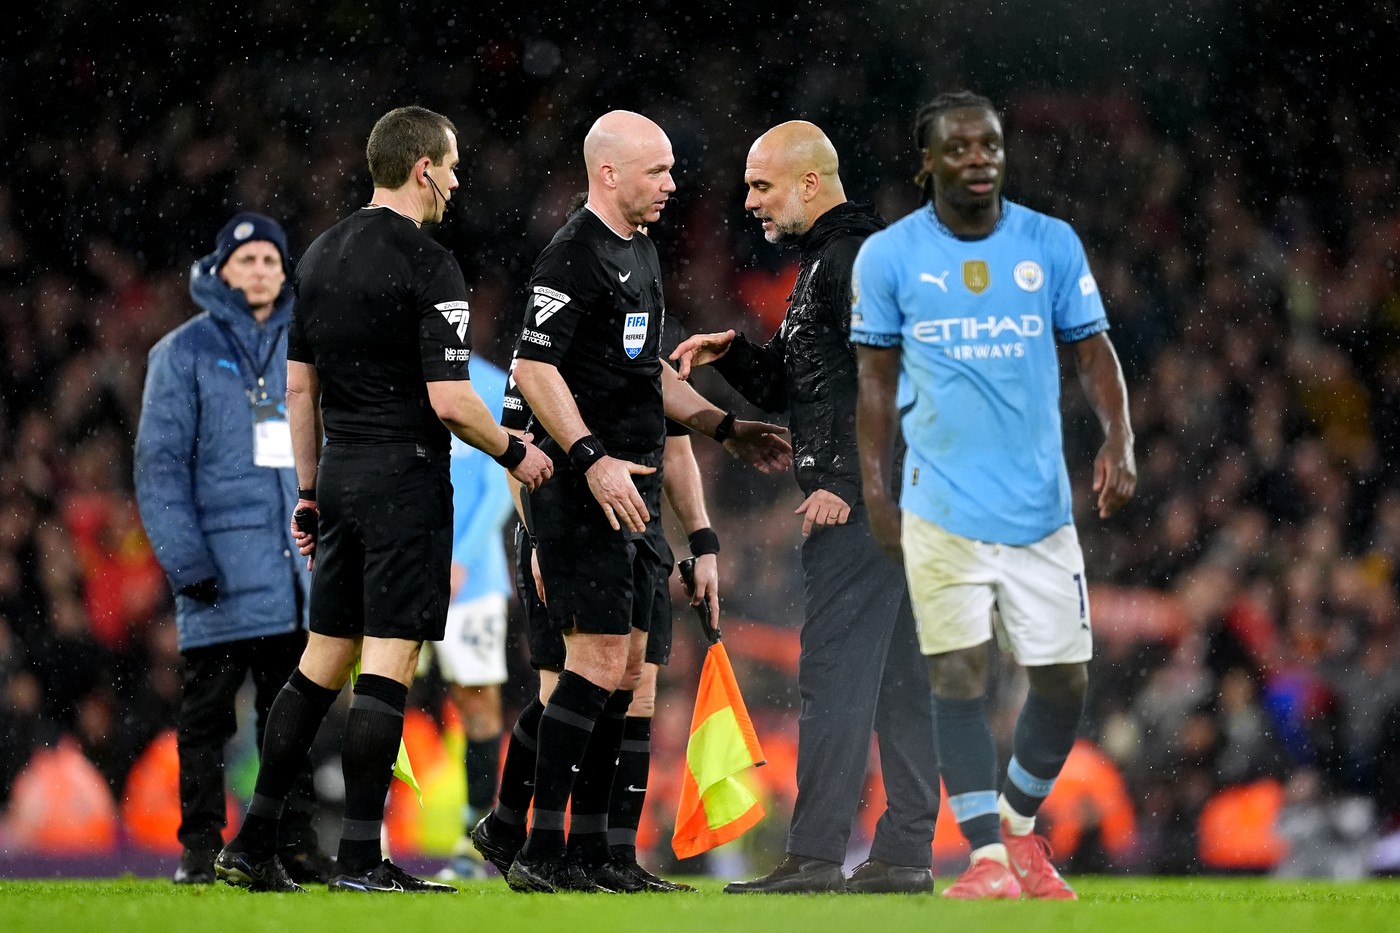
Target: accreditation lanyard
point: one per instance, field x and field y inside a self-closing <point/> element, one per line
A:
<point x="272" y="435"/>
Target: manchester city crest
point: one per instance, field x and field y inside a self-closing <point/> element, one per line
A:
<point x="1029" y="275"/>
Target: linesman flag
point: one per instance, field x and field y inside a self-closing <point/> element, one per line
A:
<point x="715" y="807"/>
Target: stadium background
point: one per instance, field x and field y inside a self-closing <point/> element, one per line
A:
<point x="1231" y="168"/>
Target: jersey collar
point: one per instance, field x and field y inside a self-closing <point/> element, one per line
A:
<point x="943" y="228"/>
<point x="625" y="239"/>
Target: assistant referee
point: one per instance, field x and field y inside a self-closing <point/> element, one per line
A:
<point x="377" y="363"/>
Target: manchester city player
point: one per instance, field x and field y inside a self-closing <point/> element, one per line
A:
<point x="964" y="300"/>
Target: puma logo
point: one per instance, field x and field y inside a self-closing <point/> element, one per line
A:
<point x="940" y="280"/>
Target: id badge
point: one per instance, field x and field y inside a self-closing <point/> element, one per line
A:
<point x="272" y="435"/>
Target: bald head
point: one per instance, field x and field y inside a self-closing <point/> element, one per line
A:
<point x="800" y="146"/>
<point x="629" y="162"/>
<point x="618" y="137"/>
<point x="792" y="178"/>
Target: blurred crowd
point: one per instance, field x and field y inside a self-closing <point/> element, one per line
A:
<point x="1238" y="200"/>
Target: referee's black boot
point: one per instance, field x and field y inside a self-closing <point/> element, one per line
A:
<point x="556" y="873"/>
<point x="236" y="867"/>
<point x="497" y="845"/>
<point x="385" y="878"/>
<point x="873" y="876"/>
<point x="625" y="861"/>
<point x="795" y="874"/>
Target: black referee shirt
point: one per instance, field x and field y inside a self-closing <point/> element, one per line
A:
<point x="517" y="416"/>
<point x="595" y="311"/>
<point x="381" y="310"/>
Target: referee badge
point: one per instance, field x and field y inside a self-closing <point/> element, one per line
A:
<point x="634" y="333"/>
<point x="976" y="276"/>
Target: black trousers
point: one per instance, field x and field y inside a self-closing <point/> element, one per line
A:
<point x="212" y="678"/>
<point x="860" y="672"/>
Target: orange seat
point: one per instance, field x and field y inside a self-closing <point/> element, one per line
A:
<point x="150" y="804"/>
<point x="1090" y="786"/>
<point x="1236" y="830"/>
<point x="60" y="805"/>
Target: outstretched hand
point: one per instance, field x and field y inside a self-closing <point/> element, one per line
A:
<point x="700" y="350"/>
<point x="760" y="445"/>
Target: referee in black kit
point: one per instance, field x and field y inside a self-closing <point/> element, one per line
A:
<point x="378" y="348"/>
<point x="587" y="364"/>
<point x="610" y="786"/>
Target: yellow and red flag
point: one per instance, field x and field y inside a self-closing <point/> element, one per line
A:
<point x="715" y="807"/>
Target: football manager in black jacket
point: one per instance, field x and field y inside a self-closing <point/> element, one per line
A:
<point x="860" y="668"/>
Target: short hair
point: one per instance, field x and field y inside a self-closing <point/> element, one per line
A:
<point x="928" y="116"/>
<point x="401" y="137"/>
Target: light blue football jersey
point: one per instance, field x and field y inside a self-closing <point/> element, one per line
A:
<point x="976" y="321"/>
<point x="481" y="500"/>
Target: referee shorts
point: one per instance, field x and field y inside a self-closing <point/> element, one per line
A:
<point x="384" y="551"/>
<point x="547" y="642"/>
<point x="597" y="580"/>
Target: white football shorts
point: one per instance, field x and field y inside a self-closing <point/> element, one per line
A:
<point x="472" y="652"/>
<point x="1034" y="596"/>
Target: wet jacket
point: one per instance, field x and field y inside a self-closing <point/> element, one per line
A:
<point x="207" y="509"/>
<point x="809" y="367"/>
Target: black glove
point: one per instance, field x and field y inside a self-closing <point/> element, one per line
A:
<point x="204" y="591"/>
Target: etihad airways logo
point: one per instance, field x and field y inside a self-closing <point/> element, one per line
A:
<point x="948" y="330"/>
<point x="457" y="316"/>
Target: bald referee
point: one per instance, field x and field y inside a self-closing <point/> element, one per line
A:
<point x="587" y="363"/>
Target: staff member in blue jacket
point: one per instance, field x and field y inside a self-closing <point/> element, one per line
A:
<point x="216" y="488"/>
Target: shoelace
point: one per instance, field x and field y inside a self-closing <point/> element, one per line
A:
<point x="1047" y="851"/>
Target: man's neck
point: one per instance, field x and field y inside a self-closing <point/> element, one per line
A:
<point x="973" y="223"/>
<point x="402" y="201"/>
<point x="262" y="312"/>
<point x="613" y="218"/>
<point x="824" y="208"/>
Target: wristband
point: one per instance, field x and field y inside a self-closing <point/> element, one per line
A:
<point x="587" y="450"/>
<point x="308" y="494"/>
<point x="515" y="452"/>
<point x="725" y="428"/>
<point x="704" y="541"/>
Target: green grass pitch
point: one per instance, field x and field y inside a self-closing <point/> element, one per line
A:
<point x="1108" y="904"/>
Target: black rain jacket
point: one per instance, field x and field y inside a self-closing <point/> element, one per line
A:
<point x="809" y="367"/>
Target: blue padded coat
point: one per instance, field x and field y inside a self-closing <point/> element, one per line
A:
<point x="207" y="509"/>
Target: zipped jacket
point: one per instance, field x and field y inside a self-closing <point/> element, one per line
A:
<point x="208" y="510"/>
<point x="808" y="368"/>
